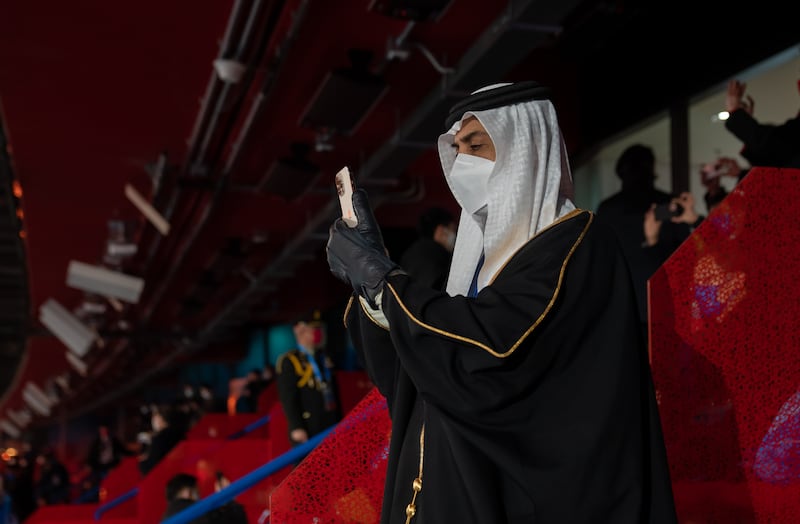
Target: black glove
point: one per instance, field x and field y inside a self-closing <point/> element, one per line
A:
<point x="367" y="225"/>
<point x="354" y="261"/>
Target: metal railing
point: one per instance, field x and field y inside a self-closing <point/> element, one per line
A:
<point x="222" y="497"/>
<point x="98" y="514"/>
<point x="249" y="428"/>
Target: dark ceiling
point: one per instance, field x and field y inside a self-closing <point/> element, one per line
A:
<point x="96" y="95"/>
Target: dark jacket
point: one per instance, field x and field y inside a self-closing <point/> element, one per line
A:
<point x="624" y="213"/>
<point x="428" y="262"/>
<point x="160" y="445"/>
<point x="94" y="459"/>
<point x="307" y="403"/>
<point x="766" y="145"/>
<point x="230" y="513"/>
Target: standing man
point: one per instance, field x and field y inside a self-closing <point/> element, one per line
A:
<point x="523" y="393"/>
<point x="646" y="241"/>
<point x="182" y="492"/>
<point x="428" y="258"/>
<point x="306" y="384"/>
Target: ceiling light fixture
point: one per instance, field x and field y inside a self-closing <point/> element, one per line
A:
<point x="102" y="281"/>
<point x="9" y="429"/>
<point x="66" y="327"/>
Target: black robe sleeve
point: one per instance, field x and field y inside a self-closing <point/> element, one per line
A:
<point x="765" y="144"/>
<point x="374" y="347"/>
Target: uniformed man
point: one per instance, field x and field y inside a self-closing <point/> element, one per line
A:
<point x="306" y="384"/>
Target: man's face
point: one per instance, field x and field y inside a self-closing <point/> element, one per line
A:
<point x="472" y="139"/>
<point x="304" y="333"/>
<point x="188" y="493"/>
<point x="157" y="422"/>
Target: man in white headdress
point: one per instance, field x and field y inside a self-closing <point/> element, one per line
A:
<point x="523" y="392"/>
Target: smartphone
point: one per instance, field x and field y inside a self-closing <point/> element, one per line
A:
<point x="663" y="212"/>
<point x="344" y="188"/>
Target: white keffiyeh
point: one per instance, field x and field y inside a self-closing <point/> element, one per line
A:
<point x="529" y="188"/>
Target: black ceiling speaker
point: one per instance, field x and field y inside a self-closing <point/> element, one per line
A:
<point x="345" y="96"/>
<point x="290" y="177"/>
<point x="417" y="10"/>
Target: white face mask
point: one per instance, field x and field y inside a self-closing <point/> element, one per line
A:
<point x="469" y="180"/>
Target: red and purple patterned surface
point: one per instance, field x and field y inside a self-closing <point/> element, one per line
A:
<point x="725" y="350"/>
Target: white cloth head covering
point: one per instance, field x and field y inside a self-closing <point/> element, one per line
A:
<point x="529" y="188"/>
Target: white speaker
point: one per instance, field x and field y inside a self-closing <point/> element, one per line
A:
<point x="116" y="249"/>
<point x="35" y="402"/>
<point x="39" y="393"/>
<point x="10" y="429"/>
<point x="66" y="327"/>
<point x="106" y="282"/>
<point x="229" y="71"/>
<point x="21" y="418"/>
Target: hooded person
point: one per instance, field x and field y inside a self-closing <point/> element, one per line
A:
<point x="523" y="392"/>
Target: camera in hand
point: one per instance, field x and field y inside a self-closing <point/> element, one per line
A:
<point x="663" y="212"/>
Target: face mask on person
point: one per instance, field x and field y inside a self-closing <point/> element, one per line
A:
<point x="470" y="179"/>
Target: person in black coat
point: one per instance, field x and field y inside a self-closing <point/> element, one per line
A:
<point x="105" y="452"/>
<point x="307" y="386"/>
<point x="522" y="393"/>
<point x="168" y="431"/>
<point x="764" y="145"/>
<point x="646" y="242"/>
<point x="181" y="492"/>
<point x="53" y="486"/>
<point x="428" y="258"/>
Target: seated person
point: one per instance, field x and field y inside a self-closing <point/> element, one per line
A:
<point x="182" y="492"/>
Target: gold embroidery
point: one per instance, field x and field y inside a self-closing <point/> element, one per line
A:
<point x="347" y="310"/>
<point x="416" y="485"/>
<point x="527" y="332"/>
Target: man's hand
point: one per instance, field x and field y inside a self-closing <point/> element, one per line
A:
<point x="651" y="226"/>
<point x="353" y="260"/>
<point x="735" y="99"/>
<point x="686" y="201"/>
